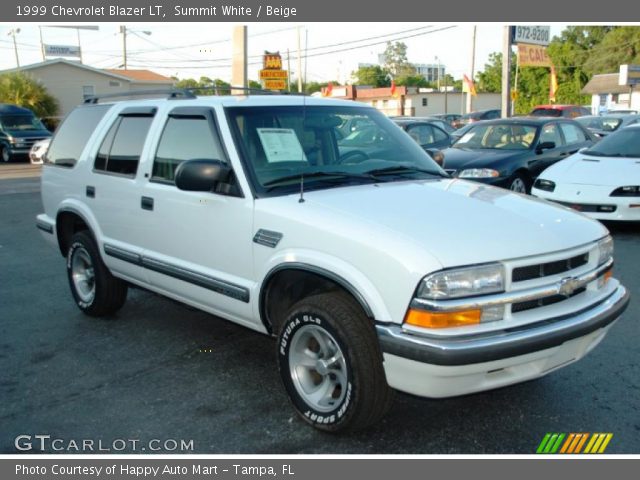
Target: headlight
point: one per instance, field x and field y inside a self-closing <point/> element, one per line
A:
<point x="628" y="191"/>
<point x="605" y="250"/>
<point x="546" y="185"/>
<point x="479" y="173"/>
<point x="463" y="282"/>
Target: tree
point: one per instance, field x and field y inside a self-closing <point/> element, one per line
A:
<point x="373" y="75"/>
<point x="395" y="59"/>
<point x="21" y="89"/>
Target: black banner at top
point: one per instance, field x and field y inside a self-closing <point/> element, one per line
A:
<point x="246" y="11"/>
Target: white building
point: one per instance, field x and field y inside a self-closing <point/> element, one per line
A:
<point x="608" y="96"/>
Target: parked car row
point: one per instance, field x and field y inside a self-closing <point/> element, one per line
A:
<point x="20" y="129"/>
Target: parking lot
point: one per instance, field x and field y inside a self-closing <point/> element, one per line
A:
<point x="161" y="370"/>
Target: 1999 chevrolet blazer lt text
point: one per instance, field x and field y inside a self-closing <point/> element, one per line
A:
<point x="373" y="268"/>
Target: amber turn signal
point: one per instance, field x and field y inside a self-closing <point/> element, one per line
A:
<point x="421" y="318"/>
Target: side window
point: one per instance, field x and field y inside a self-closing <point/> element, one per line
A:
<point x="121" y="148"/>
<point x="493" y="114"/>
<point x="550" y="133"/>
<point x="73" y="134"/>
<point x="185" y="138"/>
<point x="422" y="134"/>
<point x="439" y="135"/>
<point x="572" y="134"/>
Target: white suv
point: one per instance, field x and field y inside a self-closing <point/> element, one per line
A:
<point x="373" y="268"/>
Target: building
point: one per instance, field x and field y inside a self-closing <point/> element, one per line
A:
<point x="430" y="72"/>
<point x="414" y="101"/>
<point x="71" y="82"/>
<point x="607" y="95"/>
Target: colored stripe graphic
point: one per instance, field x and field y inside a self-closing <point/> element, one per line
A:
<point x="573" y="443"/>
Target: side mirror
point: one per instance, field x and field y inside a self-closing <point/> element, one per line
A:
<point x="436" y="155"/>
<point x="201" y="175"/>
<point x="545" y="146"/>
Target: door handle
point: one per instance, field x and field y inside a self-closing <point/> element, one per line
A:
<point x="146" y="203"/>
<point x="90" y="191"/>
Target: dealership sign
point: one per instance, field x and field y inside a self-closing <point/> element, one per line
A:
<point x="272" y="76"/>
<point x="61" y="51"/>
<point x="536" y="34"/>
<point x="533" y="56"/>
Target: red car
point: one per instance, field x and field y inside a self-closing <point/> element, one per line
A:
<point x="565" y="111"/>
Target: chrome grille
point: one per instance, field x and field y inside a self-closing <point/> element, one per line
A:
<point x="541" y="270"/>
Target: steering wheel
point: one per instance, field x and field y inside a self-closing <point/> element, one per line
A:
<point x="352" y="155"/>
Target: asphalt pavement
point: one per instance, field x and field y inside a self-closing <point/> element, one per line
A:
<point x="162" y="371"/>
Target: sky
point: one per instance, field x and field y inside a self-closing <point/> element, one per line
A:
<point x="192" y="50"/>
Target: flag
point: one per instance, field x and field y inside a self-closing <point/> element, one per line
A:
<point x="327" y="90"/>
<point x="553" y="84"/>
<point x="468" y="86"/>
<point x="394" y="90"/>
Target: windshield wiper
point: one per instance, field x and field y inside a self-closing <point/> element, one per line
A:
<point x="395" y="169"/>
<point x="336" y="175"/>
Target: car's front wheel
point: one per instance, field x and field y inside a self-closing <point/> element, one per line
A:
<point x="330" y="363"/>
<point x="96" y="291"/>
<point x="5" y="153"/>
<point x="518" y="183"/>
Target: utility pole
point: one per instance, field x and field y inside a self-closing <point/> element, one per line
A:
<point x="506" y="72"/>
<point x="41" y="43"/>
<point x="446" y="110"/>
<point x="299" y="64"/>
<point x="473" y="67"/>
<point x="239" y="61"/>
<point x="123" y="31"/>
<point x="288" y="71"/>
<point x="13" y="32"/>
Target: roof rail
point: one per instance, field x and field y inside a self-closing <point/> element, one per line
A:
<point x="190" y="92"/>
<point x="172" y="93"/>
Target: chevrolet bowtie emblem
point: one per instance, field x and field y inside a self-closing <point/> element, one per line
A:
<point x="568" y="285"/>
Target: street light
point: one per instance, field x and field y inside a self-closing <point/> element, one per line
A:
<point x="13" y="32"/>
<point x="123" y="31"/>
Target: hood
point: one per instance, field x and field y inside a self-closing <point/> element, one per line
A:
<point x="28" y="133"/>
<point x="452" y="221"/>
<point x="461" y="158"/>
<point x="580" y="169"/>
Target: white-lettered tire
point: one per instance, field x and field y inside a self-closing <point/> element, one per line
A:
<point x="331" y="366"/>
<point x="95" y="290"/>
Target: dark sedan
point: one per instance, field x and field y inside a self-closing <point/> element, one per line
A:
<point x="512" y="152"/>
<point x="429" y="136"/>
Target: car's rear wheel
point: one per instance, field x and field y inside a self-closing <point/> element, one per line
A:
<point x="96" y="291"/>
<point x="330" y="363"/>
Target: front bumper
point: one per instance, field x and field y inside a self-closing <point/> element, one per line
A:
<point x="588" y="200"/>
<point x="440" y="367"/>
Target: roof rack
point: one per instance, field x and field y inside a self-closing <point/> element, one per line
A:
<point x="172" y="93"/>
<point x="190" y="92"/>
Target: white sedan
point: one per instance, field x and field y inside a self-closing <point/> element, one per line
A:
<point x="603" y="182"/>
<point x="38" y="150"/>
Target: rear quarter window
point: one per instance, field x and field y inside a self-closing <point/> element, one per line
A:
<point x="73" y="134"/>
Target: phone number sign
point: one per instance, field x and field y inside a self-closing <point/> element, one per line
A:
<point x="532" y="34"/>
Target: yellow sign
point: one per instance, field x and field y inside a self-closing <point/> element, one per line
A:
<point x="533" y="55"/>
<point x="275" y="84"/>
<point x="273" y="74"/>
<point x="272" y="61"/>
<point x="514" y="95"/>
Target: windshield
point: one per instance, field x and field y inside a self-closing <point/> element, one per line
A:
<point x="328" y="145"/>
<point x="21" y="122"/>
<point x="501" y="136"/>
<point x="608" y="124"/>
<point x="623" y="143"/>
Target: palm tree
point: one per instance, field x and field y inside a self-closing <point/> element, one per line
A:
<point x="20" y="89"/>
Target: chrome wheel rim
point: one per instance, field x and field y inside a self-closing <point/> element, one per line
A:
<point x="5" y="155"/>
<point x="518" y="186"/>
<point x="318" y="368"/>
<point x="83" y="275"/>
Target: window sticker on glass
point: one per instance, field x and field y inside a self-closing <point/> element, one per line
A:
<point x="467" y="136"/>
<point x="281" y="145"/>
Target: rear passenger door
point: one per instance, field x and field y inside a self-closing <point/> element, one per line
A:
<point x="113" y="193"/>
<point x="198" y="244"/>
<point x="575" y="138"/>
